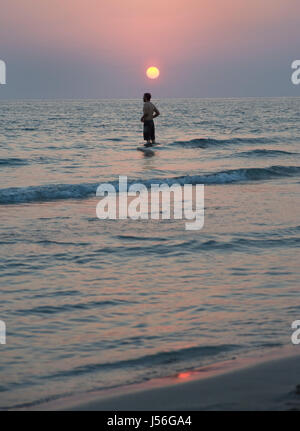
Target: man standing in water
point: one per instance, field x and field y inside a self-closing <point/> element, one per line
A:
<point x="149" y="113"/>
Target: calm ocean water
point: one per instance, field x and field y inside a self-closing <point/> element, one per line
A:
<point x="93" y="304"/>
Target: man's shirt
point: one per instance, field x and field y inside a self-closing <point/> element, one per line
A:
<point x="148" y="110"/>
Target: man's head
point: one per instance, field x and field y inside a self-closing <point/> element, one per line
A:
<point x="147" y="97"/>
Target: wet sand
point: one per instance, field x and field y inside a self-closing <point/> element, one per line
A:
<point x="267" y="382"/>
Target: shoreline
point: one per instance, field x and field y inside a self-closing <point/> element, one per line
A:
<point x="269" y="380"/>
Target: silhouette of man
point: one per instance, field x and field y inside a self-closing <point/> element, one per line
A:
<point x="149" y="113"/>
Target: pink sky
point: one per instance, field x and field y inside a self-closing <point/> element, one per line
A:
<point x="135" y="34"/>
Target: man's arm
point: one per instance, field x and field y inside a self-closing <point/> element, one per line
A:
<point x="157" y="113"/>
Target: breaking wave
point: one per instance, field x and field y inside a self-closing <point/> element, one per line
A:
<point x="208" y="142"/>
<point x="52" y="192"/>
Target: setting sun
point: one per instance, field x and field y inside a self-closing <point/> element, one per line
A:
<point x="152" y="72"/>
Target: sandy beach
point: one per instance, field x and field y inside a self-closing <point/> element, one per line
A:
<point x="267" y="382"/>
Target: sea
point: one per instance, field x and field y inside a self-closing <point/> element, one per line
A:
<point x="93" y="304"/>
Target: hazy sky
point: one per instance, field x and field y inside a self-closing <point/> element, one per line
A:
<point x="101" y="48"/>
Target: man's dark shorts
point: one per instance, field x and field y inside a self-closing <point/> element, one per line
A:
<point x="149" y="130"/>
